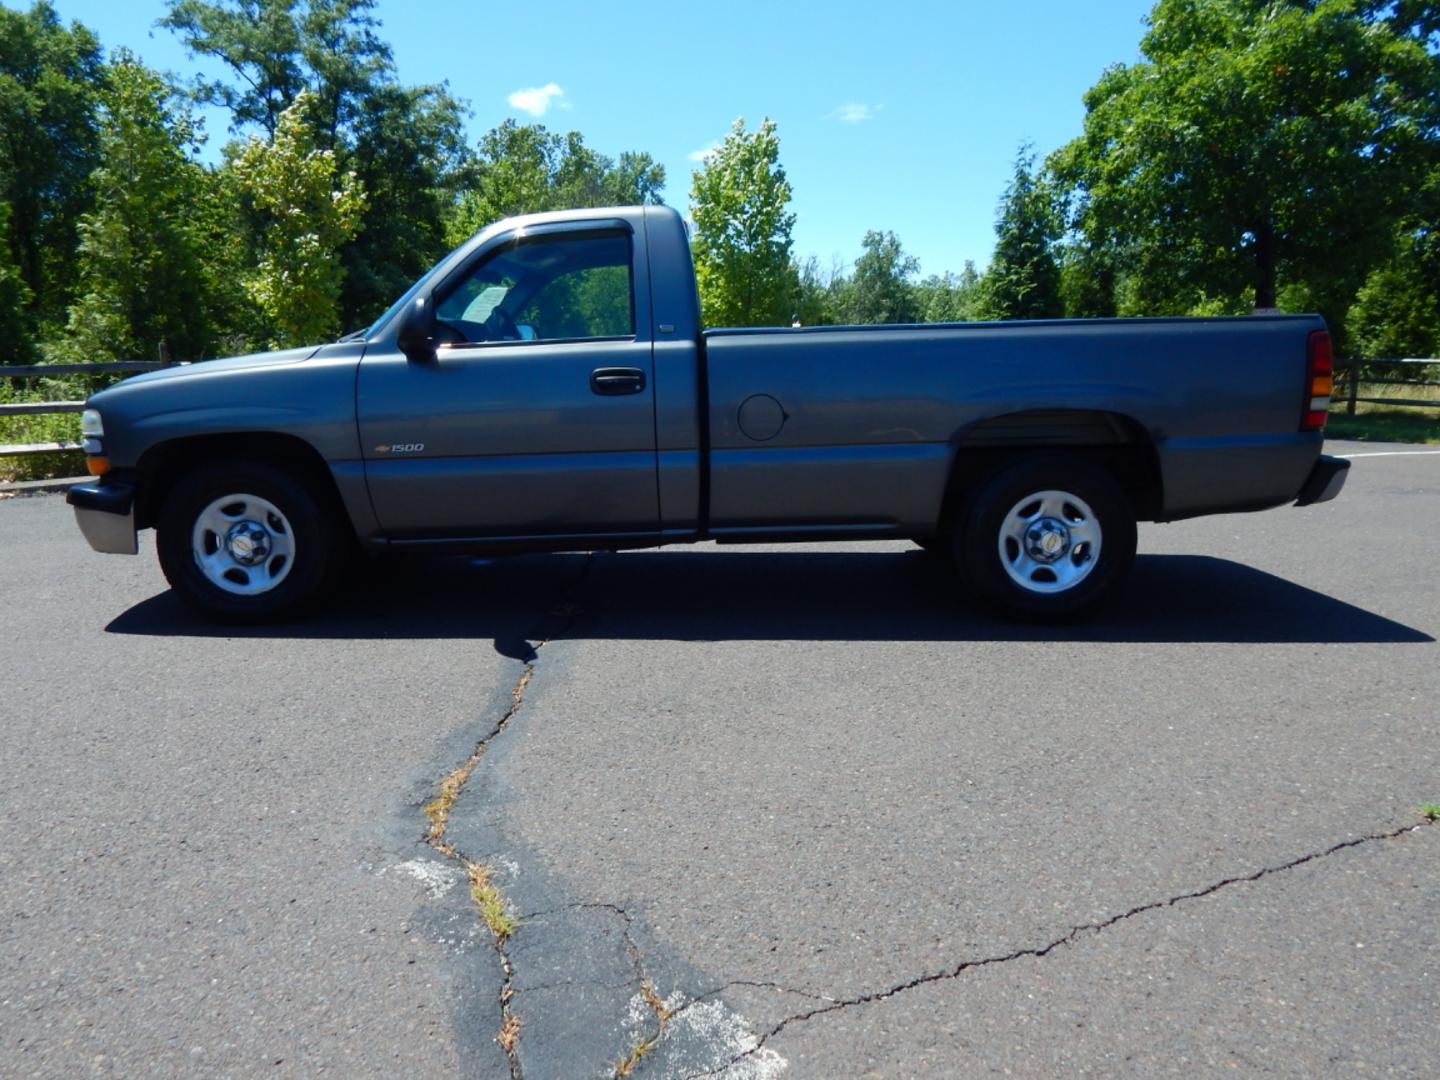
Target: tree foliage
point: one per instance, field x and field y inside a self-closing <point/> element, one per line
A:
<point x="404" y="144"/>
<point x="817" y="292"/>
<point x="525" y="169"/>
<point x="738" y="200"/>
<point x="140" y="258"/>
<point x="1257" y="144"/>
<point x="1023" y="281"/>
<point x="881" y="286"/>
<point x="949" y="297"/>
<point x="15" y="343"/>
<point x="49" y="79"/>
<point x="1397" y="311"/>
<point x="312" y="208"/>
<point x="277" y="49"/>
<point x="407" y="152"/>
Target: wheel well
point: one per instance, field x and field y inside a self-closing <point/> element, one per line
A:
<point x="161" y="466"/>
<point x="1115" y="442"/>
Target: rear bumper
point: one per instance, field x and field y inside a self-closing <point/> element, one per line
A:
<point x="106" y="515"/>
<point x="1324" y="482"/>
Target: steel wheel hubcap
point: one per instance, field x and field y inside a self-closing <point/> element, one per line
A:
<point x="1049" y="541"/>
<point x="243" y="544"/>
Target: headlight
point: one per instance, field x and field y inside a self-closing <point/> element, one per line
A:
<point x="90" y="423"/>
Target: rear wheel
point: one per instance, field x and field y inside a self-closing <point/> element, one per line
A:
<point x="246" y="542"/>
<point x="1046" y="538"/>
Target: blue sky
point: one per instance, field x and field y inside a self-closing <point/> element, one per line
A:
<point x="902" y="116"/>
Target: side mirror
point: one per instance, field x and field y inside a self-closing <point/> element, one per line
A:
<point x="416" y="337"/>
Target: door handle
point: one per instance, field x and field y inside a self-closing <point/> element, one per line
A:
<point x="610" y="381"/>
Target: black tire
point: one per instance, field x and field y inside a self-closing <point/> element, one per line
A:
<point x="1046" y="588"/>
<point x="313" y="551"/>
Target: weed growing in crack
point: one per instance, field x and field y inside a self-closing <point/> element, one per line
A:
<point x="437" y="810"/>
<point x="1430" y="811"/>
<point x="509" y="1034"/>
<point x="626" y="1065"/>
<point x="490" y="901"/>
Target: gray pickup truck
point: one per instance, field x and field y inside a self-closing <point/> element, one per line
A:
<point x="548" y="387"/>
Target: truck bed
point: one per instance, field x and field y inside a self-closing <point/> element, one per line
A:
<point x="840" y="428"/>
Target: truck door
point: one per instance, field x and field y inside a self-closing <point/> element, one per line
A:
<point x="537" y="416"/>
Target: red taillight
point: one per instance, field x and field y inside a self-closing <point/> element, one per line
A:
<point x="1319" y="378"/>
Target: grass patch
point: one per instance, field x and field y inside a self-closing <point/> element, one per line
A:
<point x="491" y="902"/>
<point x="1389" y="423"/>
<point x="488" y="899"/>
<point x="437" y="810"/>
<point x="1378" y="424"/>
<point x="1430" y="811"/>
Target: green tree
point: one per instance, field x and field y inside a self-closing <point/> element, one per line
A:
<point x="1397" y="310"/>
<point x="49" y="76"/>
<point x="635" y="179"/>
<point x="16" y="346"/>
<point x="277" y="49"/>
<point x="1088" y="280"/>
<point x="818" y="293"/>
<point x="742" y="242"/>
<point x="407" y="151"/>
<point x="525" y="169"/>
<point x="949" y="297"/>
<point x="312" y="209"/>
<point x="405" y="144"/>
<point x="881" y="287"/>
<point x="1395" y="314"/>
<point x="139" y="256"/>
<point x="1257" y="144"/>
<point x="1023" y="281"/>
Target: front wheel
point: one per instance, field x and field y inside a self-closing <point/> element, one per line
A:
<point x="245" y="542"/>
<point x="1046" y="538"/>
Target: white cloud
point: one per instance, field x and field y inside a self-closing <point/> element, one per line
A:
<point x="853" y="112"/>
<point x="703" y="154"/>
<point x="537" y="100"/>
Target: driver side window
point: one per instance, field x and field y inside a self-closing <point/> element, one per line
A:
<point x="560" y="288"/>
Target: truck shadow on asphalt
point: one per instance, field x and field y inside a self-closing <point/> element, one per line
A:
<point x="805" y="595"/>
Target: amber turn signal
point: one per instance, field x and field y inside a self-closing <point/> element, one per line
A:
<point x="98" y="466"/>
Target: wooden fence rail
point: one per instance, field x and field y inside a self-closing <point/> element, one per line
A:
<point x="1346" y="373"/>
<point x="36" y="408"/>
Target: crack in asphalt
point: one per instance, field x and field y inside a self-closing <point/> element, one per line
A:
<point x="452" y="786"/>
<point x="644" y="1044"/>
<point x="758" y="986"/>
<point x="476" y="872"/>
<point x="1075" y="934"/>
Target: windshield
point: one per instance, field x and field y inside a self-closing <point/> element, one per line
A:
<point x="390" y="312"/>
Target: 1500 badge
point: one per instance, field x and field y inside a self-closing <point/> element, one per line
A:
<point x="401" y="448"/>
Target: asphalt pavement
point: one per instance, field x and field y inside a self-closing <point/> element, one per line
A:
<point x="793" y="811"/>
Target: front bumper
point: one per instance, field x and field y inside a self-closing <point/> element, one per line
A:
<point x="1324" y="482"/>
<point x="105" y="513"/>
